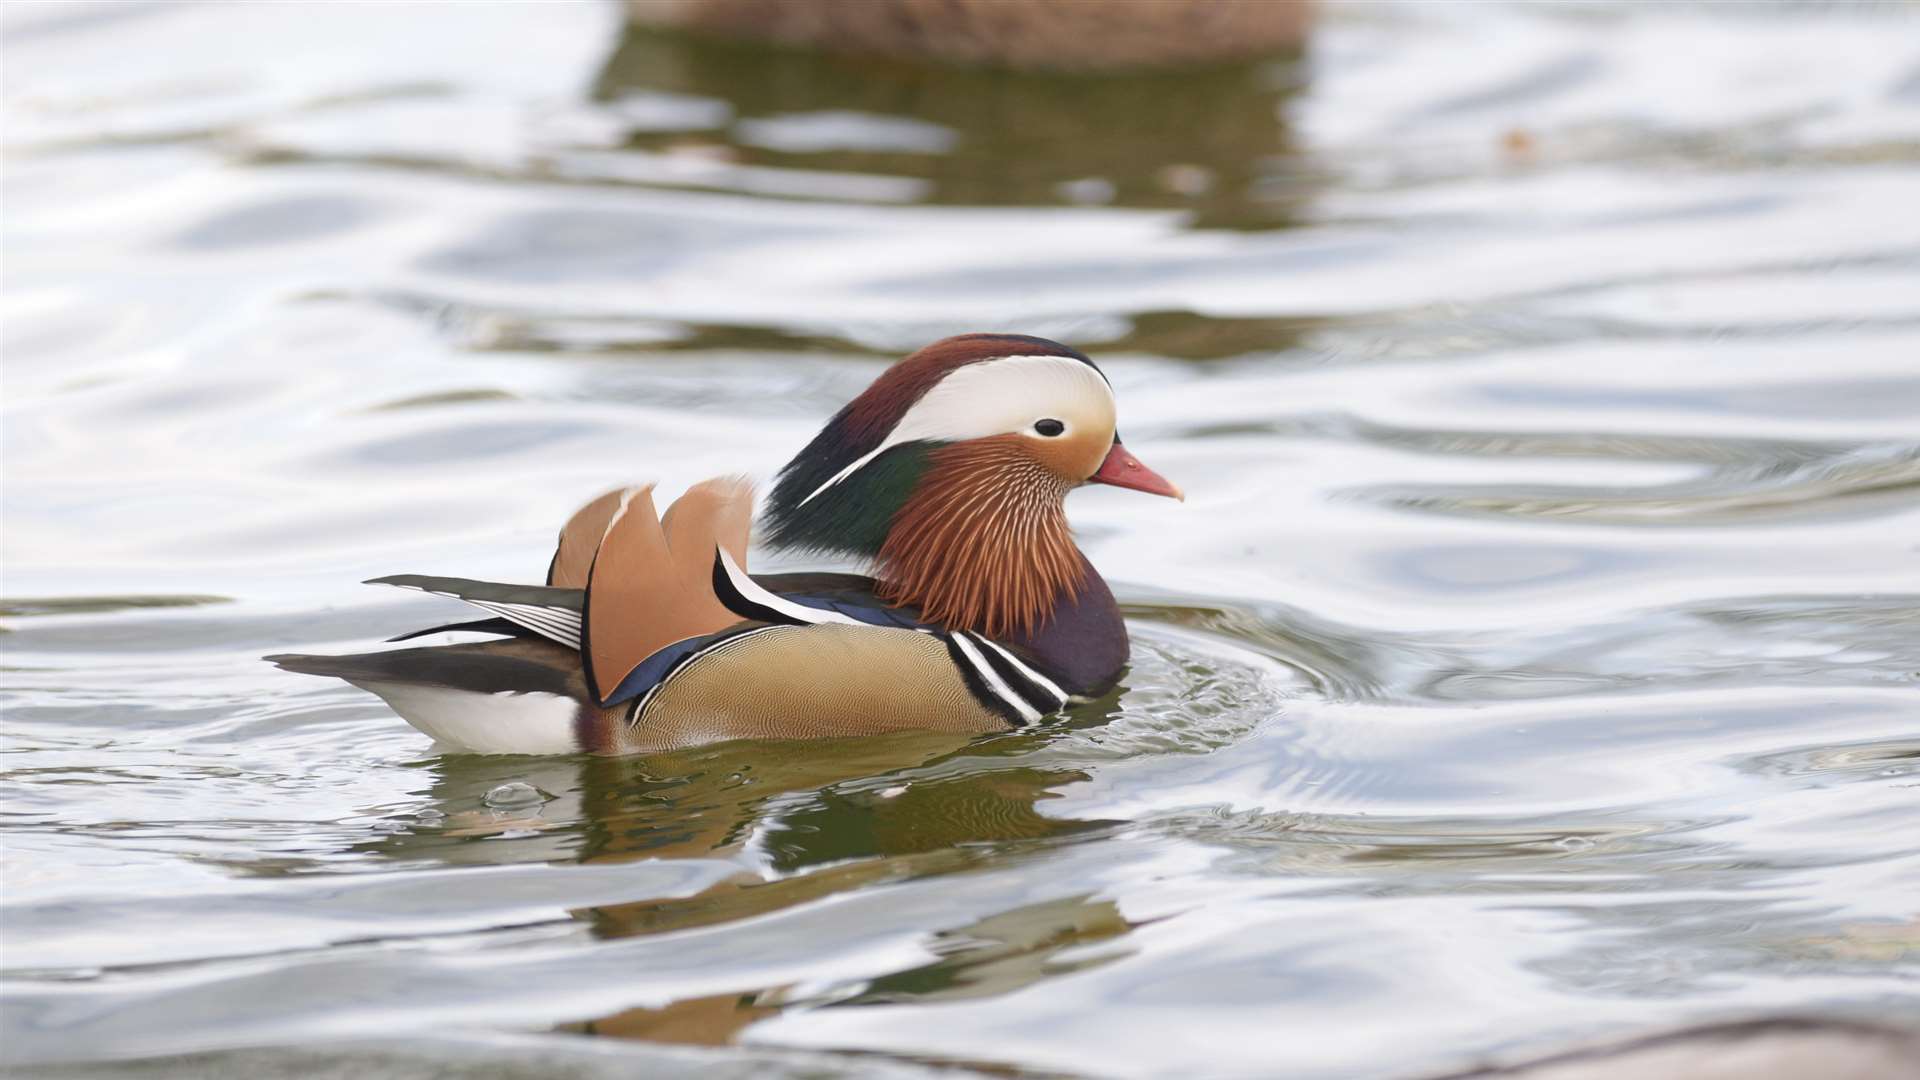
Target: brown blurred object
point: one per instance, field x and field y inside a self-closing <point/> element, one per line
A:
<point x="1774" y="1048"/>
<point x="1213" y="142"/>
<point x="706" y="1021"/>
<point x="1032" y="35"/>
<point x="993" y="956"/>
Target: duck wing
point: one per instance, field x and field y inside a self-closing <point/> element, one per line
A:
<point x="580" y="539"/>
<point x="624" y="581"/>
<point x="554" y="614"/>
<point x="522" y="695"/>
<point x="1006" y="682"/>
<point x="650" y="582"/>
<point x="472" y="626"/>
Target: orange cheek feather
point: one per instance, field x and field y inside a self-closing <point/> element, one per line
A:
<point x="1073" y="459"/>
<point x="983" y="543"/>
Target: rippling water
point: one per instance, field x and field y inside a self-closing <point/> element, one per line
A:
<point x="1534" y="659"/>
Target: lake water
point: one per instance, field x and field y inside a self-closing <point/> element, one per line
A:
<point x="1534" y="659"/>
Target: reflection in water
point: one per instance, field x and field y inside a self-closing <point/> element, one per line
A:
<point x="1002" y="953"/>
<point x="21" y="606"/>
<point x="784" y="807"/>
<point x="1870" y="481"/>
<point x="810" y="819"/>
<point x="997" y="955"/>
<point x="1213" y="141"/>
<point x="703" y="1021"/>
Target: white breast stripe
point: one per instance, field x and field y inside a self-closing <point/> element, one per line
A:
<point x="1038" y="679"/>
<point x="755" y="594"/>
<point x="993" y="680"/>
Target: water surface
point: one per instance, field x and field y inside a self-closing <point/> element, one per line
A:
<point x="1534" y="659"/>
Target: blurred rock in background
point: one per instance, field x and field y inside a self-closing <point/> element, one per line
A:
<point x="1212" y="141"/>
<point x="1060" y="35"/>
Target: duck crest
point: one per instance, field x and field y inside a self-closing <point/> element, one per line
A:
<point x="972" y="533"/>
<point x="812" y="507"/>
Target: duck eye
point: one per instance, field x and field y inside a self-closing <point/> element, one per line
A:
<point x="1049" y="427"/>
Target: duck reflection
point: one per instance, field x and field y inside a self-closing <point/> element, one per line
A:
<point x="996" y="955"/>
<point x="1211" y="140"/>
<point x="782" y="805"/>
<point x="803" y="804"/>
<point x="805" y="820"/>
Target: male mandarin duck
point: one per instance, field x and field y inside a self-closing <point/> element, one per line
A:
<point x="949" y="474"/>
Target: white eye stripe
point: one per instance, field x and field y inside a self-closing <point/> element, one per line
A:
<point x="994" y="397"/>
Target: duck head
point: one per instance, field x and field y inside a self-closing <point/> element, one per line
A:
<point x="951" y="472"/>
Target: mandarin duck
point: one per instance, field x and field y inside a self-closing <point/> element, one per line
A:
<point x="948" y="475"/>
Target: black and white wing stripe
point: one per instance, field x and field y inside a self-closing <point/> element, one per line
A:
<point x="987" y="684"/>
<point x="745" y="597"/>
<point x="552" y="613"/>
<point x="1039" y="691"/>
<point x="1002" y="681"/>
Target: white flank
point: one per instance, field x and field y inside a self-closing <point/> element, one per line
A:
<point x="474" y="723"/>
<point x="998" y="397"/>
